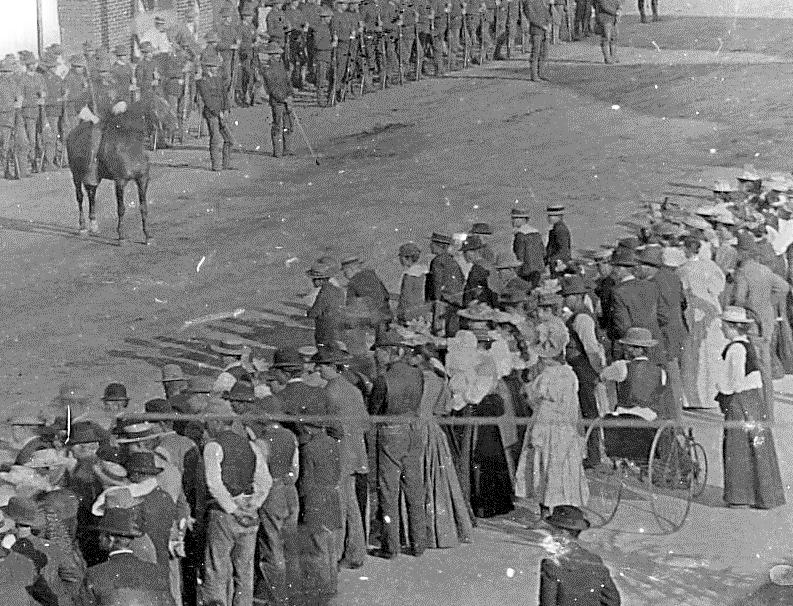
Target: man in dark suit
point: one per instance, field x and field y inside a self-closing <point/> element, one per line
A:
<point x="634" y="302"/>
<point x="671" y="321"/>
<point x="123" y="578"/>
<point x="528" y="247"/>
<point x="444" y="286"/>
<point x="326" y="310"/>
<point x="575" y="577"/>
<point x="476" y="286"/>
<point x="364" y="284"/>
<point x="557" y="251"/>
<point x="296" y="397"/>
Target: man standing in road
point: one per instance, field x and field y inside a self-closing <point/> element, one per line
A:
<point x="557" y="251"/>
<point x="279" y="93"/>
<point x="606" y="16"/>
<point x="538" y="15"/>
<point x="444" y="286"/>
<point x="213" y="91"/>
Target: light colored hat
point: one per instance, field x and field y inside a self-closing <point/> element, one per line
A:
<point x="26" y="420"/>
<point x="555" y="209"/>
<point x="736" y="315"/>
<point x="138" y="432"/>
<point x="552" y="339"/>
<point x="46" y="458"/>
<point x="781" y="574"/>
<point x="779" y="184"/>
<point x="638" y="337"/>
<point x="230" y="346"/>
<point x="6" y="524"/>
<point x="519" y="213"/>
<point x="111" y="474"/>
<point x="749" y="174"/>
<point x="722" y="186"/>
<point x="172" y="372"/>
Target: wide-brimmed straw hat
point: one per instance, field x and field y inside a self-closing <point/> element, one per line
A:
<point x="781" y="574"/>
<point x="230" y="346"/>
<point x="736" y="315"/>
<point x="324" y="268"/>
<point x="129" y="433"/>
<point x="638" y="337"/>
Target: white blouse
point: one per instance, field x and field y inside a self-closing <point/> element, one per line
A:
<point x="733" y="376"/>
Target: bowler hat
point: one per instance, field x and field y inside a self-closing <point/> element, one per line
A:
<point x="329" y="356"/>
<point x="638" y="337"/>
<point x="652" y="255"/>
<point x="230" y="346"/>
<point x="519" y="213"/>
<point x="472" y="243"/>
<point x="443" y="239"/>
<point x="573" y="285"/>
<point x="242" y="391"/>
<point x="623" y="257"/>
<point x="142" y="462"/>
<point x="24" y="512"/>
<point x="568" y="517"/>
<point x="172" y="372"/>
<point x="388" y="338"/>
<point x="85" y="432"/>
<point x="119" y="521"/>
<point x="115" y="392"/>
<point x="287" y="358"/>
<point x="482" y="229"/>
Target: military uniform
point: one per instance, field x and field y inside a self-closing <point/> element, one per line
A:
<point x="12" y="135"/>
<point x="213" y="93"/>
<point x="123" y="70"/>
<point x="322" y="45"/>
<point x="297" y="36"/>
<point x="558" y="247"/>
<point x="227" y="47"/>
<point x="606" y="12"/>
<point x="246" y="82"/>
<point x="53" y="111"/>
<point x="453" y="23"/>
<point x="33" y="94"/>
<point x="444" y="287"/>
<point x="147" y="76"/>
<point x="279" y="91"/>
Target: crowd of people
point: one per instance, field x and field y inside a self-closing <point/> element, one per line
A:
<point x="325" y="455"/>
<point x="261" y="51"/>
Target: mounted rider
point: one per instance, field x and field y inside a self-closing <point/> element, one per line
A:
<point x="110" y="99"/>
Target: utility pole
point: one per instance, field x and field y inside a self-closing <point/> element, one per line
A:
<point x="40" y="26"/>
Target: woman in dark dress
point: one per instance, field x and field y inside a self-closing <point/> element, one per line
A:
<point x="491" y="484"/>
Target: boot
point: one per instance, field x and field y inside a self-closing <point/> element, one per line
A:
<point x="643" y="18"/>
<point x="604" y="46"/>
<point x="227" y="157"/>
<point x="277" y="148"/>
<point x="535" y="66"/>
<point x="214" y="158"/>
<point x="289" y="149"/>
<point x="613" y="52"/>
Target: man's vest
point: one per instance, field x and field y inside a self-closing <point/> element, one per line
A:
<point x="239" y="463"/>
<point x="642" y="387"/>
<point x="576" y="354"/>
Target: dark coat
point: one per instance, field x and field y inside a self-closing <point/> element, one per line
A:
<point x="326" y="313"/>
<point x="124" y="579"/>
<point x="529" y="250"/>
<point x="276" y="81"/>
<point x="398" y="391"/>
<point x="558" y="247"/>
<point x="156" y="514"/>
<point x="537" y="12"/>
<point x="213" y="94"/>
<point x="634" y="303"/>
<point x="366" y="285"/>
<point x="445" y="280"/>
<point x="318" y="484"/>
<point x="577" y="578"/>
<point x="671" y="308"/>
<point x="608" y="6"/>
<point x="477" y="289"/>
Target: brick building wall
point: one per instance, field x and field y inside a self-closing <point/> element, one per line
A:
<point x="109" y="22"/>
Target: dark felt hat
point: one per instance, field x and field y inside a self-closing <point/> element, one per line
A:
<point x="623" y="257"/>
<point x="388" y="338"/>
<point x="569" y="517"/>
<point x="85" y="432"/>
<point x="573" y="285"/>
<point x="443" y="239"/>
<point x="119" y="521"/>
<point x="482" y="229"/>
<point x="158" y="406"/>
<point x="287" y="358"/>
<point x="329" y="356"/>
<point x="142" y="462"/>
<point x="652" y="255"/>
<point x="115" y="391"/>
<point x="242" y="391"/>
<point x="472" y="243"/>
<point x="24" y="512"/>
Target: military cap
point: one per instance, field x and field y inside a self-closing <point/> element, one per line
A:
<point x="555" y="209"/>
<point x="483" y="229"/>
<point x="212" y="36"/>
<point x="211" y="61"/>
<point x="519" y="213"/>
<point x="77" y="61"/>
<point x="159" y="19"/>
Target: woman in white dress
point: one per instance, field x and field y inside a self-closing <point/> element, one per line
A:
<point x="703" y="283"/>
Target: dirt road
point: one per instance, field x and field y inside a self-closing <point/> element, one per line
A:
<point x="394" y="166"/>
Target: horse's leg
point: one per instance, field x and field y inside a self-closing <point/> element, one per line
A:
<point x="121" y="209"/>
<point x="93" y="225"/>
<point x="142" y="181"/>
<point x="78" y="189"/>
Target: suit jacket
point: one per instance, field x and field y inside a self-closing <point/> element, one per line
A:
<point x="445" y="280"/>
<point x="346" y="400"/>
<point x="634" y="303"/>
<point x="326" y="313"/>
<point x="318" y="484"/>
<point x="477" y="289"/>
<point x="671" y="307"/>
<point x="366" y="285"/>
<point x="577" y="578"/>
<point x="558" y="247"/>
<point x="125" y="579"/>
<point x="757" y="288"/>
<point x="529" y="250"/>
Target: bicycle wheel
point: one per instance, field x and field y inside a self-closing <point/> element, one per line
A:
<point x="669" y="482"/>
<point x="699" y="471"/>
<point x="605" y="493"/>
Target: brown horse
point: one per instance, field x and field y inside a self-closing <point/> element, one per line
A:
<point x="121" y="157"/>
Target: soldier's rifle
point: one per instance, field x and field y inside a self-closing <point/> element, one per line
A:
<point x="508" y="29"/>
<point x="334" y="55"/>
<point x="419" y="47"/>
<point x="399" y="51"/>
<point x="233" y="75"/>
<point x="12" y="149"/>
<point x="62" y="135"/>
<point x="466" y="39"/>
<point x="186" y="102"/>
<point x="134" y="92"/>
<point x="364" y="53"/>
<point x="345" y="79"/>
<point x="522" y="24"/>
<point x="383" y="50"/>
<point x="38" y="152"/>
<point x="482" y="25"/>
<point x="449" y="37"/>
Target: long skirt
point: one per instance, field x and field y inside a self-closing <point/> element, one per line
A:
<point x="448" y="519"/>
<point x="558" y="473"/>
<point x="751" y="467"/>
<point x="701" y="358"/>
